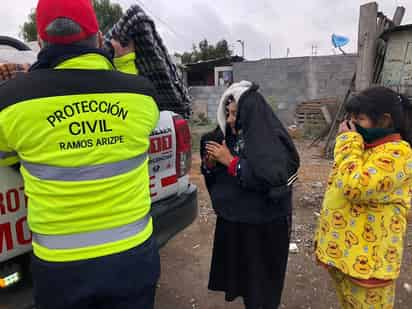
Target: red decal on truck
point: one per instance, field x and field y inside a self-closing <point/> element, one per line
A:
<point x="11" y="202"/>
<point x="167" y="181"/>
<point x="6" y="239"/>
<point x="21" y="238"/>
<point x="160" y="144"/>
<point x="14" y="231"/>
<point x="6" y="235"/>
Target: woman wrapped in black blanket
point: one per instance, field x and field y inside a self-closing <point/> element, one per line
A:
<point x="250" y="164"/>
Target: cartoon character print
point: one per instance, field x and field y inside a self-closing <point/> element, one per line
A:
<point x="351" y="302"/>
<point x="345" y="149"/>
<point x="400" y="202"/>
<point x="397" y="269"/>
<point x="396" y="225"/>
<point x="373" y="297"/>
<point x="324" y="226"/>
<point x="408" y="167"/>
<point x="375" y="206"/>
<point x="397" y="153"/>
<point x="339" y="184"/>
<point x="384" y="229"/>
<point x="351" y="239"/>
<point x="348" y="168"/>
<point x="380" y="148"/>
<point x="401" y="176"/>
<point x="392" y="255"/>
<point x="385" y="185"/>
<point x="319" y="253"/>
<point x="338" y="221"/>
<point x="375" y="257"/>
<point x="368" y="233"/>
<point x="330" y="182"/>
<point x="357" y="209"/>
<point x="365" y="178"/>
<point x="352" y="193"/>
<point x="343" y="267"/>
<point x="333" y="174"/>
<point x="385" y="163"/>
<point x="333" y="250"/>
<point x="362" y="266"/>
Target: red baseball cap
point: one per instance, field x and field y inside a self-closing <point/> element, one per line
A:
<point x="80" y="11"/>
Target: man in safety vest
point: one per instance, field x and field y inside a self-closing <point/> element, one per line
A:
<point x="80" y="130"/>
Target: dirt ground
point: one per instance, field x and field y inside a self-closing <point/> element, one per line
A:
<point x="186" y="259"/>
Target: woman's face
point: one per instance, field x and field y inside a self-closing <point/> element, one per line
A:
<point x="231" y="116"/>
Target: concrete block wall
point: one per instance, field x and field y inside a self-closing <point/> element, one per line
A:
<point x="288" y="81"/>
<point x="206" y="97"/>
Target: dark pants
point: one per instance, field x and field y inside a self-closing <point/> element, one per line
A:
<point x="124" y="280"/>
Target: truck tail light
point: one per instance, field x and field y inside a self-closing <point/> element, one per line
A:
<point x="183" y="146"/>
<point x="9" y="275"/>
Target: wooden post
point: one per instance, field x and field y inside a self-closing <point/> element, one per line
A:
<point x="399" y="14"/>
<point x="381" y="44"/>
<point x="326" y="114"/>
<point x="382" y="21"/>
<point x="366" y="45"/>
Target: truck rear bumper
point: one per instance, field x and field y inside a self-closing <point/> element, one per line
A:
<point x="173" y="215"/>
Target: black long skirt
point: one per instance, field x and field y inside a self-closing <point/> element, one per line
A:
<point x="249" y="260"/>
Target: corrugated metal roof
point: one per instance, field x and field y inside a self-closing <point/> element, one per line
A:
<point x="388" y="32"/>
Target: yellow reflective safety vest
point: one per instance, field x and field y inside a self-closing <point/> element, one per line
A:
<point x="81" y="133"/>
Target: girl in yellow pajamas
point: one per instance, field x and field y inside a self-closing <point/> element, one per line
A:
<point x="364" y="215"/>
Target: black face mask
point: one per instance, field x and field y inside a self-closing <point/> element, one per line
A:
<point x="372" y="134"/>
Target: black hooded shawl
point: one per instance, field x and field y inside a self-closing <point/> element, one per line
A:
<point x="262" y="190"/>
<point x="266" y="145"/>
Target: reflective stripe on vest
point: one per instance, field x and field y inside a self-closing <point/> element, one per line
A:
<point x="89" y="239"/>
<point x="5" y="155"/>
<point x="94" y="172"/>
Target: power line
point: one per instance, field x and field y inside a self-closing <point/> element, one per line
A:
<point x="161" y="20"/>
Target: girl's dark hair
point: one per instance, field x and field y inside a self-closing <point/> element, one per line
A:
<point x="377" y="101"/>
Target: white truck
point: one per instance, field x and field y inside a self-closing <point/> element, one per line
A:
<point x="174" y="198"/>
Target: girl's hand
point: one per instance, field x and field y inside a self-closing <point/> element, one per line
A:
<point x="219" y="153"/>
<point x="347" y="126"/>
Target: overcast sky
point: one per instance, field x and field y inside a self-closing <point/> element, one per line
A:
<point x="294" y="24"/>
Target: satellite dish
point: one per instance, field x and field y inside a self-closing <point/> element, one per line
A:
<point x="339" y="41"/>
